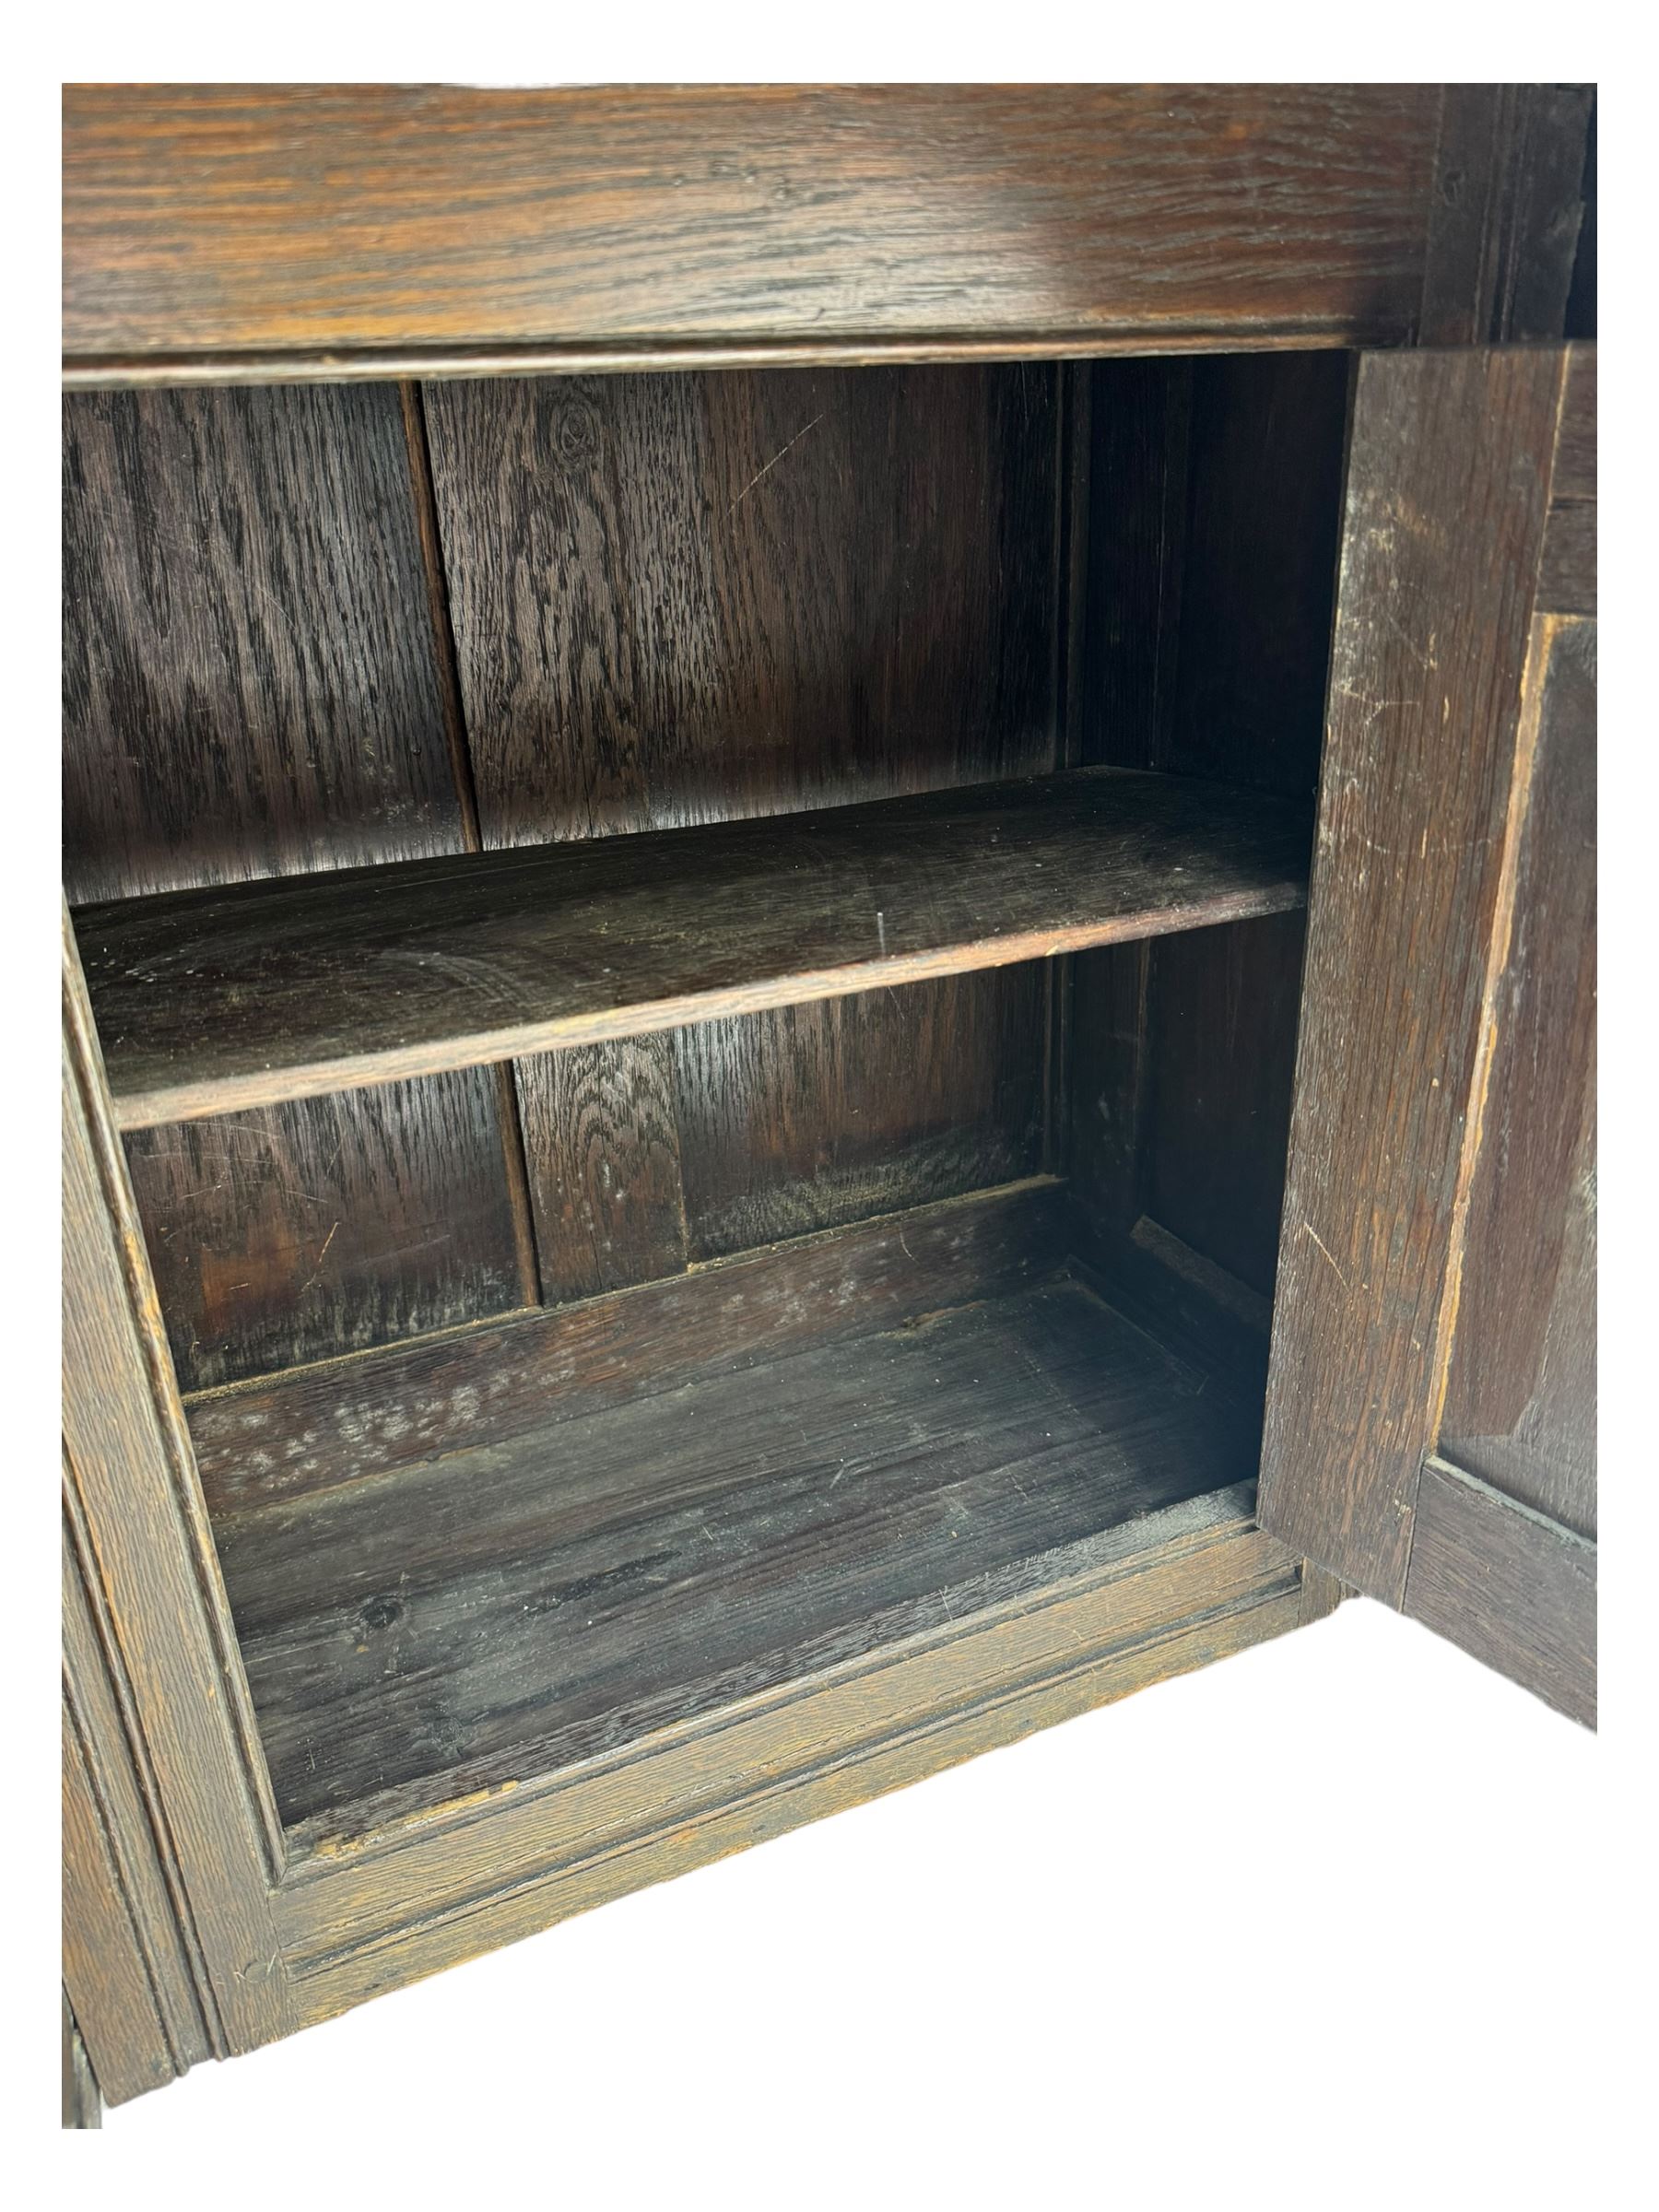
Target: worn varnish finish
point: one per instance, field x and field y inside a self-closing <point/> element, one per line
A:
<point x="1439" y="1222"/>
<point x="252" y="689"/>
<point x="258" y="992"/>
<point x="694" y="599"/>
<point x="683" y="599"/>
<point x="1216" y="502"/>
<point x="506" y="1612"/>
<point x="1448" y="484"/>
<point x="341" y="1420"/>
<point x="784" y="590"/>
<point x="250" y="685"/>
<point x="1512" y="1586"/>
<point x="1506" y="212"/>
<point x="1520" y="1405"/>
<point x="807" y="1116"/>
<point x="1172" y="1590"/>
<point x="145" y="1561"/>
<point x="300" y="223"/>
<point x="287" y="1232"/>
<point x="127" y="1953"/>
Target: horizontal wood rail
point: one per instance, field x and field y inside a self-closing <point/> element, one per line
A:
<point x="211" y="1001"/>
<point x="312" y="221"/>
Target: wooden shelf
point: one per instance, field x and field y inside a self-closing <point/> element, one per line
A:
<point x="501" y="1613"/>
<point x="208" y="1002"/>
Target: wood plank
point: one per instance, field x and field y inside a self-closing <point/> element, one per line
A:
<point x="1567" y="569"/>
<point x="1506" y="209"/>
<point x="1510" y="1585"/>
<point x="602" y="1147"/>
<point x="82" y="2105"/>
<point x="1217" y="489"/>
<point x="1265" y="447"/>
<point x="1575" y="476"/>
<point x="1520" y="1408"/>
<point x="804" y="1117"/>
<point x="1175" y="1590"/>
<point x="1221" y="1016"/>
<point x="287" y="1435"/>
<point x="1425" y="757"/>
<point x="681" y="599"/>
<point x="287" y="1233"/>
<point x="129" y="1962"/>
<point x="210" y="1001"/>
<point x="252" y="687"/>
<point x="303" y="225"/>
<point x="1567" y="573"/>
<point x="678" y="599"/>
<point x="504" y="1612"/>
<point x="147" y="1561"/>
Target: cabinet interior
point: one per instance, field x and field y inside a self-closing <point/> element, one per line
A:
<point x="626" y="1251"/>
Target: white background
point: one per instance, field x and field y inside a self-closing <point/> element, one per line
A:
<point x="1328" y="1904"/>
<point x="1345" y="1920"/>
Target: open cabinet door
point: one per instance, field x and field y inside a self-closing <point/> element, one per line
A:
<point x="1431" y="1421"/>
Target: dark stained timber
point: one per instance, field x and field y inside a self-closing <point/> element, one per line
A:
<point x="299" y="227"/>
<point x="217" y="1000"/>
<point x="499" y="1612"/>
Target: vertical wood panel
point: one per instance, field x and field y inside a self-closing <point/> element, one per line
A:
<point x="1505" y="210"/>
<point x="604" y="1165"/>
<point x="1222" y="1055"/>
<point x="1426" y="757"/>
<point x="808" y="1116"/>
<point x="1216" y="501"/>
<point x="252" y="687"/>
<point x="328" y="1225"/>
<point x="1521" y="1393"/>
<point x="684" y="598"/>
<point x="148" y="1563"/>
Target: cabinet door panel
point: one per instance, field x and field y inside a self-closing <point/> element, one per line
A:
<point x="1436" y="1260"/>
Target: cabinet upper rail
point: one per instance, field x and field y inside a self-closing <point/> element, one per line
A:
<point x="318" y="221"/>
<point x="211" y="1001"/>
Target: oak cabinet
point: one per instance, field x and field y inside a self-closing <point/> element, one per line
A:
<point x="821" y="997"/>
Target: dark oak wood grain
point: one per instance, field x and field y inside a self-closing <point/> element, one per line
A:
<point x="1566" y="572"/>
<point x="1222" y="1012"/>
<point x="254" y="688"/>
<point x="1507" y="205"/>
<point x="1425" y="778"/>
<point x="694" y="599"/>
<point x="209" y="1001"/>
<point x="1510" y="1585"/>
<point x="299" y="225"/>
<point x="1173" y="1590"/>
<point x="503" y="1614"/>
<point x="1216" y="489"/>
<point x="127" y="1955"/>
<point x="145" y="1561"/>
<point x="287" y="1435"/>
<point x="804" y="1117"/>
<point x="690" y="599"/>
<point x="1520" y="1408"/>
<point x="250" y="687"/>
<point x="288" y="1232"/>
<point x="603" y="1147"/>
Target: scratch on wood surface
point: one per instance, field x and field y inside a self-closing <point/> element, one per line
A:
<point x="322" y="1255"/>
<point x="773" y="462"/>
<point x="1308" y="1229"/>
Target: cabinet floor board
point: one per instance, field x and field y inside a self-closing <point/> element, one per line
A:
<point x="505" y="1611"/>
